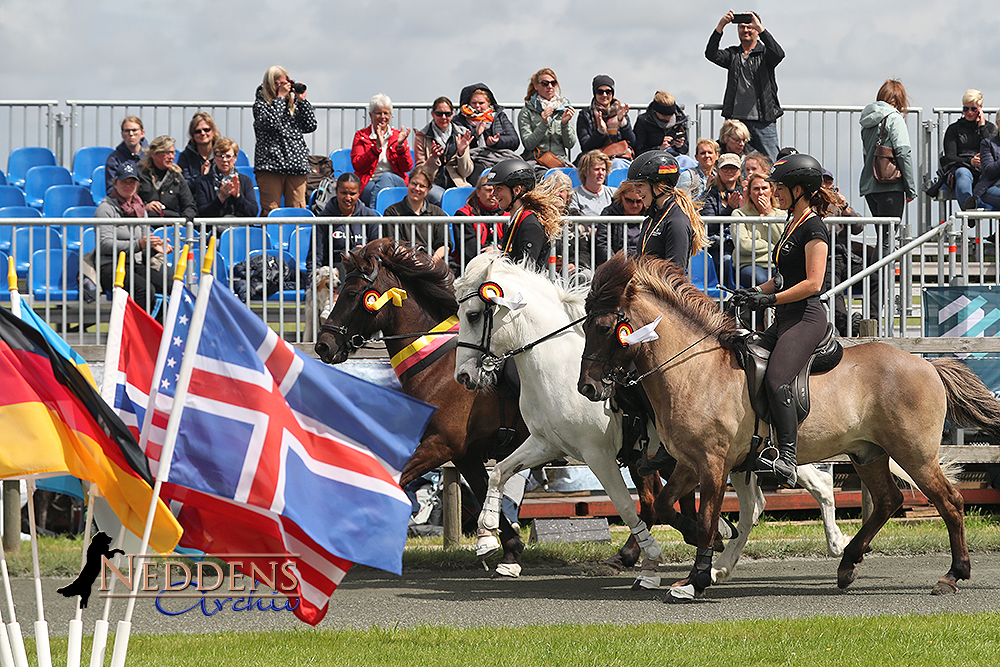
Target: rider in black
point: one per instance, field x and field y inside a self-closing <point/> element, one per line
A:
<point x="800" y="257"/>
<point x="673" y="229"/>
<point x="534" y="219"/>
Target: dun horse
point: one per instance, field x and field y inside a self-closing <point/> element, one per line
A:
<point x="878" y="402"/>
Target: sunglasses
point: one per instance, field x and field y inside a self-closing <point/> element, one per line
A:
<point x="552" y="82"/>
<point x="633" y="202"/>
<point x="605" y="91"/>
<point x="443" y="114"/>
<point x="203" y="130"/>
<point x="964" y="109"/>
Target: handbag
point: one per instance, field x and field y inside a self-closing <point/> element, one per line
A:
<point x="884" y="166"/>
<point x="619" y="149"/>
<point x="549" y="160"/>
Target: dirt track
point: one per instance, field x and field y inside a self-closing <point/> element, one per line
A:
<point x="760" y="589"/>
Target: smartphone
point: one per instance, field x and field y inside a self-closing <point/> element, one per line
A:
<point x="742" y="18"/>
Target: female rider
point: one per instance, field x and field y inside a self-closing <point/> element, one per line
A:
<point x="534" y="219"/>
<point x="673" y="229"/>
<point x="800" y="259"/>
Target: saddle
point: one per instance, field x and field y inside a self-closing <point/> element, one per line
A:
<point x="752" y="358"/>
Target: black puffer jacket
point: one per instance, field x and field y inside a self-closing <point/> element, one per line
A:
<point x="173" y="193"/>
<point x="501" y="124"/>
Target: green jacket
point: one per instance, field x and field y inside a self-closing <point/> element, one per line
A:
<point x="896" y="136"/>
<point x="555" y="136"/>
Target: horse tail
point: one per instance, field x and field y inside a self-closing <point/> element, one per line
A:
<point x="970" y="402"/>
<point x="950" y="466"/>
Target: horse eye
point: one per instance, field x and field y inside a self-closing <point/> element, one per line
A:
<point x="472" y="316"/>
<point x="603" y="329"/>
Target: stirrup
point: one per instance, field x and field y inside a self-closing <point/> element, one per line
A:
<point x="767" y="466"/>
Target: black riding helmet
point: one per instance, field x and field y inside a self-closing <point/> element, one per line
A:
<point x="514" y="171"/>
<point x="798" y="169"/>
<point x="654" y="166"/>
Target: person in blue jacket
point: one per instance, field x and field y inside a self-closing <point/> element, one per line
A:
<point x="333" y="239"/>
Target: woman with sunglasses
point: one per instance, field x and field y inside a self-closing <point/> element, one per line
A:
<point x="627" y="200"/>
<point x="161" y="185"/>
<point x="544" y="122"/>
<point x="196" y="158"/>
<point x="442" y="144"/>
<point x="605" y="124"/>
<point x="962" y="140"/>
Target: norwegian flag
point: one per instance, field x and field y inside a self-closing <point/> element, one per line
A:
<point x="276" y="453"/>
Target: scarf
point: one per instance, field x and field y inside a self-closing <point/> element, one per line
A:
<point x="541" y="105"/>
<point x="664" y="125"/>
<point x="442" y="137"/>
<point x="131" y="208"/>
<point x="477" y="116"/>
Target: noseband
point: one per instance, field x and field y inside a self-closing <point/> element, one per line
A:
<point x="357" y="341"/>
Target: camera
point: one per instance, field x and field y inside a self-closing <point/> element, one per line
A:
<point x="742" y="18"/>
<point x="298" y="87"/>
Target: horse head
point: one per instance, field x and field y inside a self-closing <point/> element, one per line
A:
<point x="481" y="310"/>
<point x="605" y="352"/>
<point x="355" y="318"/>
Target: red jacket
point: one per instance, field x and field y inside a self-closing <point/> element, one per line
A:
<point x="364" y="155"/>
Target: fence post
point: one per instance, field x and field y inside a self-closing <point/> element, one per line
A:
<point x="11" y="516"/>
<point x="452" y="506"/>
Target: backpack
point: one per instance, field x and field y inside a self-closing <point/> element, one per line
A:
<point x="320" y="167"/>
<point x="325" y="191"/>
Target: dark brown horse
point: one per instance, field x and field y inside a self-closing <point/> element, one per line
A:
<point x="878" y="402"/>
<point x="465" y="427"/>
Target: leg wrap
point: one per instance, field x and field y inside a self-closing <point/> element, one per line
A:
<point x="646" y="542"/>
<point x="703" y="566"/>
<point x="490" y="515"/>
<point x="688" y="528"/>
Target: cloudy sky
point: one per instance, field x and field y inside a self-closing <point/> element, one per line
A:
<point x="837" y="52"/>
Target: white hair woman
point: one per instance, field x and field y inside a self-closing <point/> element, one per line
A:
<point x="380" y="154"/>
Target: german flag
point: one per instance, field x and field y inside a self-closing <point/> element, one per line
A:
<point x="55" y="421"/>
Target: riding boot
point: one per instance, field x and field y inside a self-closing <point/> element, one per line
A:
<point x="784" y="433"/>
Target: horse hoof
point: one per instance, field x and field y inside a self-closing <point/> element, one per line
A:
<point x="680" y="595"/>
<point x="846" y="577"/>
<point x="646" y="582"/>
<point x="616" y="564"/>
<point x="944" y="587"/>
<point x="486" y="546"/>
<point x="511" y="570"/>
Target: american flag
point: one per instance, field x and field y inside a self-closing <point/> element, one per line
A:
<point x="278" y="452"/>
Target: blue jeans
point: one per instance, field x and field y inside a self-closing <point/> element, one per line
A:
<point x="376" y="185"/>
<point x="991" y="198"/>
<point x="763" y="137"/>
<point x="963" y="184"/>
<point x="753" y="275"/>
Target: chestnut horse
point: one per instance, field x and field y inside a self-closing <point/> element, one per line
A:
<point x="879" y="402"/>
<point x="464" y="429"/>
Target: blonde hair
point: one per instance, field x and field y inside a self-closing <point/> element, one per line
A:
<point x="705" y="140"/>
<point x="545" y="203"/>
<point x="132" y="119"/>
<point x="198" y="118"/>
<point x="623" y="189"/>
<point x="733" y="128"/>
<point x="271" y="88"/>
<point x="589" y="160"/>
<point x="161" y="144"/>
<point x="534" y="79"/>
<point x="690" y="208"/>
<point x="223" y="144"/>
<point x="665" y="98"/>
<point x="973" y="95"/>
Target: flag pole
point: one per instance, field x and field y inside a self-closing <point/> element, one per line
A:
<point x="6" y="654"/>
<point x="170" y="438"/>
<point x="75" y="640"/>
<point x="100" y="642"/>
<point x="41" y="625"/>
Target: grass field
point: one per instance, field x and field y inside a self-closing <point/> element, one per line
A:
<point x="887" y="640"/>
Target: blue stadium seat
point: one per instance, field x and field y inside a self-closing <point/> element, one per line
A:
<point x="79" y="212"/>
<point x="28" y="239"/>
<point x="286" y="258"/>
<point x="236" y="243"/>
<point x="23" y="159"/>
<point x="248" y="171"/>
<point x="569" y="171"/>
<point x="73" y="234"/>
<point x="454" y="199"/>
<point x="47" y="275"/>
<point x="219" y="267"/>
<point x="4" y="287"/>
<point x="341" y="159"/>
<point x="98" y="189"/>
<point x="616" y="176"/>
<point x="11" y="196"/>
<point x="279" y="233"/>
<point x="290" y="212"/>
<point x="58" y="198"/>
<point x="86" y="160"/>
<point x="387" y="197"/>
<point x="40" y="179"/>
<point x="6" y="239"/>
<point x="19" y="212"/>
<point x="242" y="160"/>
<point x="704" y="275"/>
<point x="88" y="240"/>
<point x="299" y="243"/>
<point x="3" y="178"/>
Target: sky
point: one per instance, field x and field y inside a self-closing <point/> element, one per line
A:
<point x="837" y="53"/>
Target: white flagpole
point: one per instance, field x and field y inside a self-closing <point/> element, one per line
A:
<point x="100" y="642"/>
<point x="170" y="438"/>
<point x="6" y="654"/>
<point x="41" y="626"/>
<point x="75" y="645"/>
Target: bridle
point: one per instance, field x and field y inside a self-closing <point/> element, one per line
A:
<point x="489" y="292"/>
<point x="357" y="341"/>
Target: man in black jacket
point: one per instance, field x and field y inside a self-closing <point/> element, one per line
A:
<point x="751" y="91"/>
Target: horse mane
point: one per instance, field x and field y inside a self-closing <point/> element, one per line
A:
<point x="619" y="280"/>
<point x="429" y="281"/>
<point x="571" y="297"/>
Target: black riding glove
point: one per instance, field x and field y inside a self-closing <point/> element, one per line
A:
<point x="752" y="299"/>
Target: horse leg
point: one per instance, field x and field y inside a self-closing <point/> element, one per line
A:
<point x="606" y="469"/>
<point x="930" y="479"/>
<point x="820" y="486"/>
<point x="712" y="489"/>
<point x="751" y="505"/>
<point x="887" y="499"/>
<point x="472" y="468"/>
<point x="648" y="488"/>
<point x="533" y="451"/>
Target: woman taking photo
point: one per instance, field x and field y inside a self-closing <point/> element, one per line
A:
<point x="800" y="259"/>
<point x="534" y="219"/>
<point x="442" y="144"/>
<point x="161" y="184"/>
<point x="281" y="115"/>
<point x="196" y="158"/>
<point x="755" y="241"/>
<point x="673" y="230"/>
<point x="544" y="123"/>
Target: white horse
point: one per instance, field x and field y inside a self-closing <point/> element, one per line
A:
<point x="503" y="307"/>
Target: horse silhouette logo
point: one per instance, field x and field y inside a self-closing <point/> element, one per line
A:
<point x="83" y="584"/>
